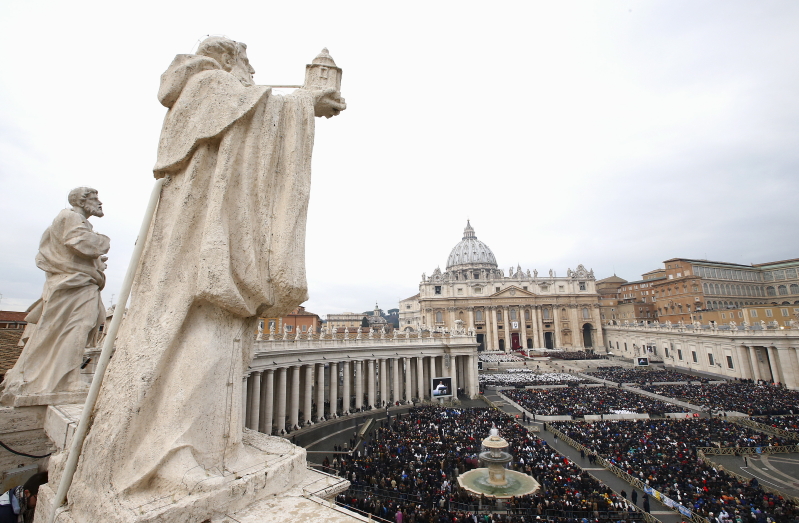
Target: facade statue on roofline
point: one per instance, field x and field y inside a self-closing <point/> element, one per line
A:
<point x="68" y="316"/>
<point x="226" y="246"/>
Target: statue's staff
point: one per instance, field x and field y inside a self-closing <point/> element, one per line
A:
<point x="105" y="355"/>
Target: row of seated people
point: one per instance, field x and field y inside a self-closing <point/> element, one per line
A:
<point x="625" y="375"/>
<point x="789" y="423"/>
<point x="414" y="461"/>
<point x="748" y="398"/>
<point x="579" y="401"/>
<point x="528" y="379"/>
<point x="662" y="453"/>
<point x="576" y="355"/>
<point x="500" y="357"/>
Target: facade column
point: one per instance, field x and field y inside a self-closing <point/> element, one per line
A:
<point x="408" y="386"/>
<point x="420" y="377"/>
<point x="577" y="333"/>
<point x="523" y="325"/>
<point x="471" y="370"/>
<point x="556" y="322"/>
<point x="774" y="364"/>
<point x="743" y="360"/>
<point x="358" y="385"/>
<point x="345" y="389"/>
<point x="506" y="324"/>
<point x="494" y="331"/>
<point x="333" y="390"/>
<point x="786" y="367"/>
<point x="395" y="379"/>
<point x="308" y="397"/>
<point x="320" y="391"/>
<point x="281" y="399"/>
<point x="452" y="372"/>
<point x="755" y="363"/>
<point x="294" y="399"/>
<point x="385" y="395"/>
<point x="255" y="400"/>
<point x="267" y="402"/>
<point x="471" y="319"/>
<point x="535" y="311"/>
<point x="599" y="337"/>
<point x="370" y="381"/>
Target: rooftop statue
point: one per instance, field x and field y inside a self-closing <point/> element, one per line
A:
<point x="68" y="316"/>
<point x="226" y="246"/>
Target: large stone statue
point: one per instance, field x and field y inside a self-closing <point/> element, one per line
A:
<point x="66" y="319"/>
<point x="226" y="246"/>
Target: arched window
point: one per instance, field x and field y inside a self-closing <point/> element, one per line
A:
<point x="771" y="291"/>
<point x="546" y="314"/>
<point x="513" y="314"/>
<point x="439" y="317"/>
<point x="783" y="290"/>
<point x="794" y="288"/>
<point x="478" y="315"/>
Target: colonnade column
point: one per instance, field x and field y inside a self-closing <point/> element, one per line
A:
<point x="787" y="367"/>
<point x="384" y="394"/>
<point x="396" y="396"/>
<point x="246" y="388"/>
<point x="320" y="391"/>
<point x="281" y="400"/>
<point x="345" y="389"/>
<point x="755" y="363"/>
<point x="333" y="393"/>
<point x="255" y="400"/>
<point x="408" y="383"/>
<point x="432" y="366"/>
<point x="358" y="385"/>
<point x="774" y="364"/>
<point x="474" y="384"/>
<point x="743" y="360"/>
<point x="267" y="403"/>
<point x="556" y="322"/>
<point x="294" y="400"/>
<point x="420" y="377"/>
<point x="370" y="381"/>
<point x="307" y="407"/>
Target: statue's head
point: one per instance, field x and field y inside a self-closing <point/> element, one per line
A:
<point x="231" y="56"/>
<point x="85" y="199"/>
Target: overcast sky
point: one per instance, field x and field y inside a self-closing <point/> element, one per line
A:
<point x="612" y="134"/>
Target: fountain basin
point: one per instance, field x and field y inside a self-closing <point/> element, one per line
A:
<point x="516" y="484"/>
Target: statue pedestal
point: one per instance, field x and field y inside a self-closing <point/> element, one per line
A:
<point x="53" y="398"/>
<point x="279" y="486"/>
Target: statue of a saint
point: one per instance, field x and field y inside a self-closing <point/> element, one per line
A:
<point x="226" y="246"/>
<point x="67" y="317"/>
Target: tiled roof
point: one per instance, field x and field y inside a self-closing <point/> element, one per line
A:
<point x="9" y="351"/>
<point x="12" y="316"/>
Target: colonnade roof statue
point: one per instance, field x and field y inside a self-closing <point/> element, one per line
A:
<point x="66" y="319"/>
<point x="226" y="246"/>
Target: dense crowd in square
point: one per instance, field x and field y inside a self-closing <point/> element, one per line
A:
<point x="528" y="378"/>
<point x="579" y="401"/>
<point x="662" y="454"/>
<point x="576" y="355"/>
<point x="789" y="423"/>
<point x="411" y="464"/>
<point x="500" y="357"/>
<point x="641" y="376"/>
<point x="748" y="398"/>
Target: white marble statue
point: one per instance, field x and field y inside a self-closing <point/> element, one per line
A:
<point x="67" y="317"/>
<point x="227" y="245"/>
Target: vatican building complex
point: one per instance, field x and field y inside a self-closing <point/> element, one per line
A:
<point x="506" y="311"/>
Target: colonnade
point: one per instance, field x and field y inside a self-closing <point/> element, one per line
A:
<point x="284" y="397"/>
<point x="778" y="364"/>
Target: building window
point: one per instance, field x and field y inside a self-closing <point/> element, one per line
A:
<point x="768" y="313"/>
<point x="460" y="290"/>
<point x="304" y="328"/>
<point x="679" y="354"/>
<point x="439" y="317"/>
<point x="753" y="313"/>
<point x="288" y="328"/>
<point x="560" y="288"/>
<point x="729" y="362"/>
<point x="794" y="288"/>
<point x="499" y="315"/>
<point x="545" y="314"/>
<point x="496" y="289"/>
<point x="586" y="313"/>
<point x="582" y="285"/>
<point x="771" y="291"/>
<point x="478" y="315"/>
<point x="710" y="359"/>
<point x="784" y="312"/>
<point x="438" y="289"/>
<point x="407" y="306"/>
<point x="783" y="290"/>
<point x="476" y="275"/>
<point x="478" y="290"/>
<point x="693" y="355"/>
<point x="527" y="314"/>
<point x="667" y="352"/>
<point x="513" y="314"/>
<point x="525" y="287"/>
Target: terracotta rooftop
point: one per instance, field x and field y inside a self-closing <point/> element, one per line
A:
<point x="9" y="351"/>
<point x="12" y="316"/>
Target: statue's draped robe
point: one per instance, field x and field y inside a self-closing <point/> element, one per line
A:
<point x="68" y="316"/>
<point x="226" y="245"/>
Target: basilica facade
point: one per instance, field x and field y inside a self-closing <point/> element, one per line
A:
<point x="506" y="311"/>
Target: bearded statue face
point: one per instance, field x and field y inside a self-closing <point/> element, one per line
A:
<point x="93" y="206"/>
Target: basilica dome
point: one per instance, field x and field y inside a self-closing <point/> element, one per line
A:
<point x="470" y="252"/>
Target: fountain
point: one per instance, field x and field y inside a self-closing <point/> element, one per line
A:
<point x="496" y="481"/>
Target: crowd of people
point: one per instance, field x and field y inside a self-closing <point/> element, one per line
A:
<point x="747" y="398"/>
<point x="579" y="401"/>
<point x="500" y="357"/>
<point x="789" y="423"/>
<point x="663" y="454"/>
<point x="576" y="355"/>
<point x="407" y="471"/>
<point x="619" y="374"/>
<point x="528" y="378"/>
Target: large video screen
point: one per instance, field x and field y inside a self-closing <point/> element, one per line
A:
<point x="643" y="362"/>
<point x="441" y="388"/>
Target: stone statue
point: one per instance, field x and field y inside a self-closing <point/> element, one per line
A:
<point x="551" y="273"/>
<point x="67" y="317"/>
<point x="535" y="273"/>
<point x="227" y="245"/>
